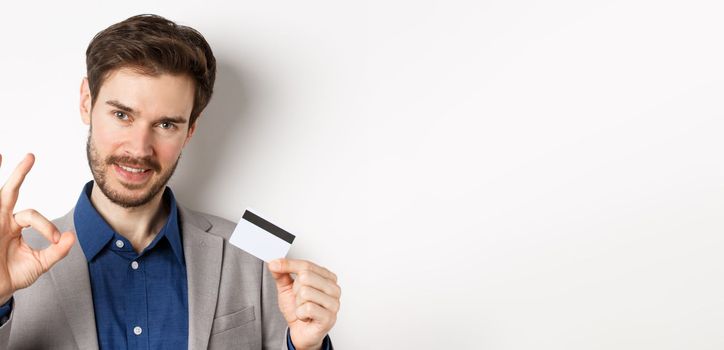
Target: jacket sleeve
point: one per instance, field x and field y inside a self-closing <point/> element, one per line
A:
<point x="6" y="326"/>
<point x="326" y="343"/>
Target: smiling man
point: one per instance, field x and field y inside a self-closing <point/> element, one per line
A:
<point x="134" y="269"/>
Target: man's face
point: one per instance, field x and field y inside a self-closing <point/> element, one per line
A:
<point x="139" y="125"/>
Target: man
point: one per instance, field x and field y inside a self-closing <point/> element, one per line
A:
<point x="132" y="269"/>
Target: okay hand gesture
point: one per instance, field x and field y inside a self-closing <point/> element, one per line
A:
<point x="21" y="265"/>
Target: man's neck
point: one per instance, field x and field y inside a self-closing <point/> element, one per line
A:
<point x="139" y="225"/>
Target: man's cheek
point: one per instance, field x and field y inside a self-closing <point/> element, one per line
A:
<point x="169" y="153"/>
<point x="99" y="138"/>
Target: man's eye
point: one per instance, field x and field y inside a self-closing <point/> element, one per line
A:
<point x="166" y="125"/>
<point x="120" y="115"/>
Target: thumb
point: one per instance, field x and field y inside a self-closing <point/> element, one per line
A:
<point x="53" y="253"/>
<point x="283" y="279"/>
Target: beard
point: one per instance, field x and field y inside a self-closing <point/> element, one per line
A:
<point x="99" y="167"/>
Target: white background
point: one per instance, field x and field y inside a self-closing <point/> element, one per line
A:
<point x="482" y="175"/>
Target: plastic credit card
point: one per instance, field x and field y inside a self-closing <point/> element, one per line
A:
<point x="259" y="237"/>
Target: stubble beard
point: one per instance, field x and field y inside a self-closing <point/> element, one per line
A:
<point x="99" y="168"/>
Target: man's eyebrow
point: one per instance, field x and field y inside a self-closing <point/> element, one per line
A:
<point x="121" y="106"/>
<point x="177" y="120"/>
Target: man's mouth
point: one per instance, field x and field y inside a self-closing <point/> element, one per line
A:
<point x="132" y="174"/>
<point x="132" y="169"/>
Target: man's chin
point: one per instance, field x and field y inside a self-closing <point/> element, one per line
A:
<point x="135" y="188"/>
<point x="129" y="195"/>
<point x="128" y="201"/>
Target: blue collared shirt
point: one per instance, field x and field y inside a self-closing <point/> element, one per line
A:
<point x="140" y="300"/>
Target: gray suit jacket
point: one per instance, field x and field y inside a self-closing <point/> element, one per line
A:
<point x="232" y="296"/>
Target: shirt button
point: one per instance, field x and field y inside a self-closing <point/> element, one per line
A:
<point x="137" y="330"/>
<point x="119" y="243"/>
<point x="134" y="265"/>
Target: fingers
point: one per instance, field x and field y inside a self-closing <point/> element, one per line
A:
<point x="308" y="294"/>
<point x="315" y="290"/>
<point x="31" y="218"/>
<point x="281" y="266"/>
<point x="312" y="311"/>
<point x="53" y="253"/>
<point x="313" y="280"/>
<point x="9" y="192"/>
<point x="309" y="287"/>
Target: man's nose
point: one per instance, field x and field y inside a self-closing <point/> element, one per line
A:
<point x="140" y="143"/>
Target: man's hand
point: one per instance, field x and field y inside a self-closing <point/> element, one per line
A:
<point x="21" y="265"/>
<point x="309" y="303"/>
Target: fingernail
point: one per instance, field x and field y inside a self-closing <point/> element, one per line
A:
<point x="274" y="265"/>
<point x="56" y="237"/>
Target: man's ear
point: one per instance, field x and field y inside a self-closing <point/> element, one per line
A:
<point x="85" y="102"/>
<point x="192" y="129"/>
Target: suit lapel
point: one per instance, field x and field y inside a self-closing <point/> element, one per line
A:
<point x="203" y="254"/>
<point x="70" y="277"/>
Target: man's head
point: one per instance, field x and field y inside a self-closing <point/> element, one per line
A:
<point x="148" y="81"/>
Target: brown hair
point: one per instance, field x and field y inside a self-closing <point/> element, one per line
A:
<point x="153" y="45"/>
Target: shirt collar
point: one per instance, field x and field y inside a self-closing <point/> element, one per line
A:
<point x="94" y="233"/>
